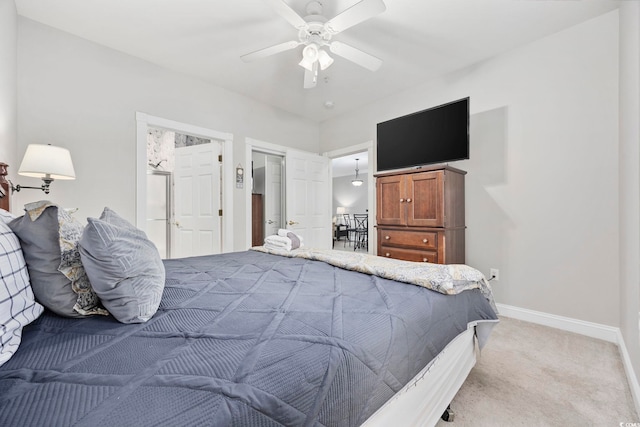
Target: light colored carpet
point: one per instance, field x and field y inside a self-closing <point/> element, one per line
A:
<point x="532" y="375"/>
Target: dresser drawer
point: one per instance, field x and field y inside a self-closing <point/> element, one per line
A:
<point x="409" y="238"/>
<point x="408" y="254"/>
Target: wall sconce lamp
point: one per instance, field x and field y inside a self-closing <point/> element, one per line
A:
<point x="47" y="162"/>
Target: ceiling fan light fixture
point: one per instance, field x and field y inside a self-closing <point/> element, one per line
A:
<point x="315" y="32"/>
<point x="324" y="59"/>
<point x="309" y="56"/>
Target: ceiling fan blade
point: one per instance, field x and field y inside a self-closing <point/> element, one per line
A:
<point x="361" y="58"/>
<point x="356" y="14"/>
<point x="268" y="51"/>
<point x="311" y="76"/>
<point x="284" y="10"/>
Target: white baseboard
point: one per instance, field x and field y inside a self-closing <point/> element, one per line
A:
<point x="593" y="330"/>
<point x="634" y="385"/>
<point x="590" y="329"/>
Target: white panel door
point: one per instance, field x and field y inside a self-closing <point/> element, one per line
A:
<point x="308" y="209"/>
<point x="197" y="201"/>
<point x="272" y="195"/>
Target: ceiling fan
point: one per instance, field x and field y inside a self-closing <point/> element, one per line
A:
<point x="315" y="32"/>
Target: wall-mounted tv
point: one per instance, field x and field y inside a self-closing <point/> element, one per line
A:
<point x="436" y="135"/>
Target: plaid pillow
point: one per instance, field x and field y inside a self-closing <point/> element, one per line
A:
<point x="6" y="216"/>
<point x="18" y="307"/>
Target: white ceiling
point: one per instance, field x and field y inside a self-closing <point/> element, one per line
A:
<point x="417" y="39"/>
<point x="346" y="166"/>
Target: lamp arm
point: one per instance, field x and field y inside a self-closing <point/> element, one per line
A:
<point x="44" y="187"/>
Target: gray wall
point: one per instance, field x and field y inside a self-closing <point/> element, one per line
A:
<point x="83" y="96"/>
<point x="8" y="92"/>
<point x="630" y="180"/>
<point x="354" y="199"/>
<point x="542" y="200"/>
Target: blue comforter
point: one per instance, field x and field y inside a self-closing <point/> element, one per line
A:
<point x="242" y="339"/>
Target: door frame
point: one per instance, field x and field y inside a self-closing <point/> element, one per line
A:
<point x="371" y="205"/>
<point x="143" y="122"/>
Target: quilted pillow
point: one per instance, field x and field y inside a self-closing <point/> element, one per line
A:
<point x="49" y="239"/>
<point x="124" y="267"/>
<point x="18" y="307"/>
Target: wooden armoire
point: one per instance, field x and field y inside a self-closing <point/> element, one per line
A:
<point x="420" y="214"/>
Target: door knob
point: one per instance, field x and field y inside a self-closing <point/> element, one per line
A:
<point x="270" y="222"/>
<point x="293" y="222"/>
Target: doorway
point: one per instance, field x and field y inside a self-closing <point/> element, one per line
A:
<point x="349" y="199"/>
<point x="190" y="193"/>
<point x="219" y="183"/>
<point x="305" y="194"/>
<point x="267" y="195"/>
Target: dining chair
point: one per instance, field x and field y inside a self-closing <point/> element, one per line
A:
<point x="361" y="231"/>
<point x="351" y="228"/>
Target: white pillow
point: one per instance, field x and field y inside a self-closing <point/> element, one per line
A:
<point x="6" y="216"/>
<point x="18" y="307"/>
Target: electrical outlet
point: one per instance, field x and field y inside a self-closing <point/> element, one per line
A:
<point x="495" y="274"/>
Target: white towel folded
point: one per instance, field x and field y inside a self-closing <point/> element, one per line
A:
<point x="283" y="233"/>
<point x="279" y="242"/>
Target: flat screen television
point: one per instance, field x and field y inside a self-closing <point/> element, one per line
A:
<point x="436" y="135"/>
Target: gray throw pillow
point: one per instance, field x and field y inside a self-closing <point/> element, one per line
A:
<point x="124" y="267"/>
<point x="42" y="240"/>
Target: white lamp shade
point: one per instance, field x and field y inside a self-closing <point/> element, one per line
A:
<point x="41" y="160"/>
<point x="309" y="56"/>
<point x="324" y="59"/>
<point x="340" y="210"/>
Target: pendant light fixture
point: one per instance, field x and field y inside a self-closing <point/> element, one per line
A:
<point x="357" y="182"/>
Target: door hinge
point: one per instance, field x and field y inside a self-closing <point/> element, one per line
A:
<point x="219" y="212"/>
<point x="220" y="158"/>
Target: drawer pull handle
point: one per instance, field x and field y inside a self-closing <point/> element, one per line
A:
<point x="424" y="260"/>
<point x="401" y="200"/>
<point x="425" y="240"/>
<point x="408" y="200"/>
<point x="387" y="254"/>
<point x="387" y="237"/>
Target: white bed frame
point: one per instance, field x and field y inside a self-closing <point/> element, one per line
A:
<point x="426" y="397"/>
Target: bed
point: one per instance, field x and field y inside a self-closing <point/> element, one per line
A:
<point x="254" y="339"/>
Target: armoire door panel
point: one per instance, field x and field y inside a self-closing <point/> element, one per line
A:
<point x="390" y="202"/>
<point x="424" y="200"/>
